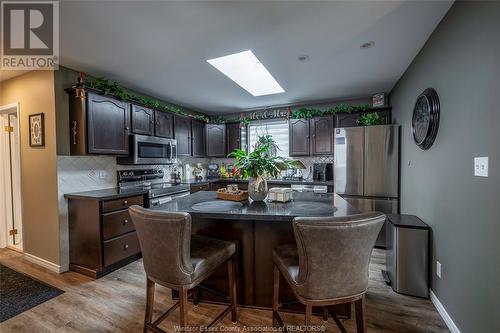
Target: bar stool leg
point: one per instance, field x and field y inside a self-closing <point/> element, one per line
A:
<point x="150" y="295"/>
<point x="276" y="295"/>
<point x="183" y="300"/>
<point x="196" y="296"/>
<point x="360" y="315"/>
<point x="308" y="313"/>
<point x="232" y="288"/>
<point x="325" y="314"/>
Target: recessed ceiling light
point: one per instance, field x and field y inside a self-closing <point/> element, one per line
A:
<point x="248" y="72"/>
<point x="303" y="57"/>
<point x="367" y="45"/>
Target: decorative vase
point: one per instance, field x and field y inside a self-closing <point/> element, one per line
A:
<point x="257" y="188"/>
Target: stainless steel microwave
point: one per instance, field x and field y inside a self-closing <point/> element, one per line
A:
<point x="150" y="150"/>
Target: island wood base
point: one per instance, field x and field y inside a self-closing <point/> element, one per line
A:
<point x="255" y="241"/>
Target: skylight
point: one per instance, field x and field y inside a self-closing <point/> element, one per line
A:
<point x="248" y="72"/>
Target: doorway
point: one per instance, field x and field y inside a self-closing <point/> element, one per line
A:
<point x="10" y="179"/>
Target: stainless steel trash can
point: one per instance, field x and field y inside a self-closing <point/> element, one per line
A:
<point x="408" y="255"/>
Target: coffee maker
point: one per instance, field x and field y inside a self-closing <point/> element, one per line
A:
<point x="323" y="172"/>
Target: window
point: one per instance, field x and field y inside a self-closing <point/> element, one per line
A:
<point x="278" y="129"/>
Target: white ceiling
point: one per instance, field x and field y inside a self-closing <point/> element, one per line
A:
<point x="161" y="47"/>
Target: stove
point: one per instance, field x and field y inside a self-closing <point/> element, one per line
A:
<point x="151" y="180"/>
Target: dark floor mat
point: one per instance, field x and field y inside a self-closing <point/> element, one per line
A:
<point x="19" y="292"/>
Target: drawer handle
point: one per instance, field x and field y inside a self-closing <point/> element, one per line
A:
<point x="125" y="247"/>
<point x="125" y="222"/>
<point x="125" y="202"/>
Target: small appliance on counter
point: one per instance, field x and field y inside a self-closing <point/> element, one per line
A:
<point x="323" y="172"/>
<point x="213" y="171"/>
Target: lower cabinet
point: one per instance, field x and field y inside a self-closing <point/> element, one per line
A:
<point x="102" y="237"/>
<point x="199" y="187"/>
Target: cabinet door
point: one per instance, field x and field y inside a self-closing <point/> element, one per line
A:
<point x="233" y="137"/>
<point x="164" y="124"/>
<point x="347" y="119"/>
<point x="108" y="125"/>
<point x="299" y="137"/>
<point x="198" y="138"/>
<point x="216" y="140"/>
<point x="142" y="120"/>
<point x="182" y="128"/>
<point x="322" y="135"/>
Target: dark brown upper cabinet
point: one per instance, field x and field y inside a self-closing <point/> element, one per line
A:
<point x="164" y="124"/>
<point x="322" y="135"/>
<point x="108" y="125"/>
<point x="182" y="135"/>
<point x="347" y="119"/>
<point x="142" y="120"/>
<point x="298" y="133"/>
<point x="198" y="138"/>
<point x="233" y="137"/>
<point x="216" y="140"/>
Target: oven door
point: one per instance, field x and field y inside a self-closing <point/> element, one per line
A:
<point x="161" y="200"/>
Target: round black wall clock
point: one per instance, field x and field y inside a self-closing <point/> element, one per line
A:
<point x="425" y="121"/>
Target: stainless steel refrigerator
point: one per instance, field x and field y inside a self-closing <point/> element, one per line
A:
<point x="367" y="169"/>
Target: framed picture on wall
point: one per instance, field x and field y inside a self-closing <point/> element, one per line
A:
<point x="37" y="130"/>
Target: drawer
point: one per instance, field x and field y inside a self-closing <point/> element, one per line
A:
<point x="111" y="205"/>
<point x="120" y="248"/>
<point x="116" y="224"/>
<point x="200" y="187"/>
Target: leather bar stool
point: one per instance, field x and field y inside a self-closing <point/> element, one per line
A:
<point x="178" y="260"/>
<point x="328" y="265"/>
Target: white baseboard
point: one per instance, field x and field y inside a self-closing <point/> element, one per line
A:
<point x="442" y="311"/>
<point x="45" y="263"/>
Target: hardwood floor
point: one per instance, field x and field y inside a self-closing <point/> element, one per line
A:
<point x="116" y="302"/>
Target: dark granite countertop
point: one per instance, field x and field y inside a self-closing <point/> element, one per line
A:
<point x="107" y="194"/>
<point x="204" y="204"/>
<point x="270" y="181"/>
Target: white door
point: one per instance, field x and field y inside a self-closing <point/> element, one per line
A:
<point x="10" y="180"/>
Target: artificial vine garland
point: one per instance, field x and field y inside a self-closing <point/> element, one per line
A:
<point x="113" y="88"/>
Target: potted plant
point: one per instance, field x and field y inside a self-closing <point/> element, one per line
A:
<point x="261" y="163"/>
<point x="370" y="119"/>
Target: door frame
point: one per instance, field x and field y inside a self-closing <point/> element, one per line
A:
<point x="5" y="240"/>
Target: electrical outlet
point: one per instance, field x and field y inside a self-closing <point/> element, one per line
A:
<point x="102" y="174"/>
<point x="438" y="269"/>
<point x="481" y="166"/>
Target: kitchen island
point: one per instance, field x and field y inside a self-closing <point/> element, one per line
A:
<point x="256" y="228"/>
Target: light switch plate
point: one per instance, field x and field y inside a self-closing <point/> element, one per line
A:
<point x="481" y="166"/>
<point x="438" y="269"/>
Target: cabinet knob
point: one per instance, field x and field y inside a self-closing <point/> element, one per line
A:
<point x="157" y="123"/>
<point x="126" y="128"/>
<point x="125" y="247"/>
<point x="125" y="202"/>
<point x="125" y="222"/>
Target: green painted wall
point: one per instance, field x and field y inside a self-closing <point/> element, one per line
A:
<point x="461" y="60"/>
